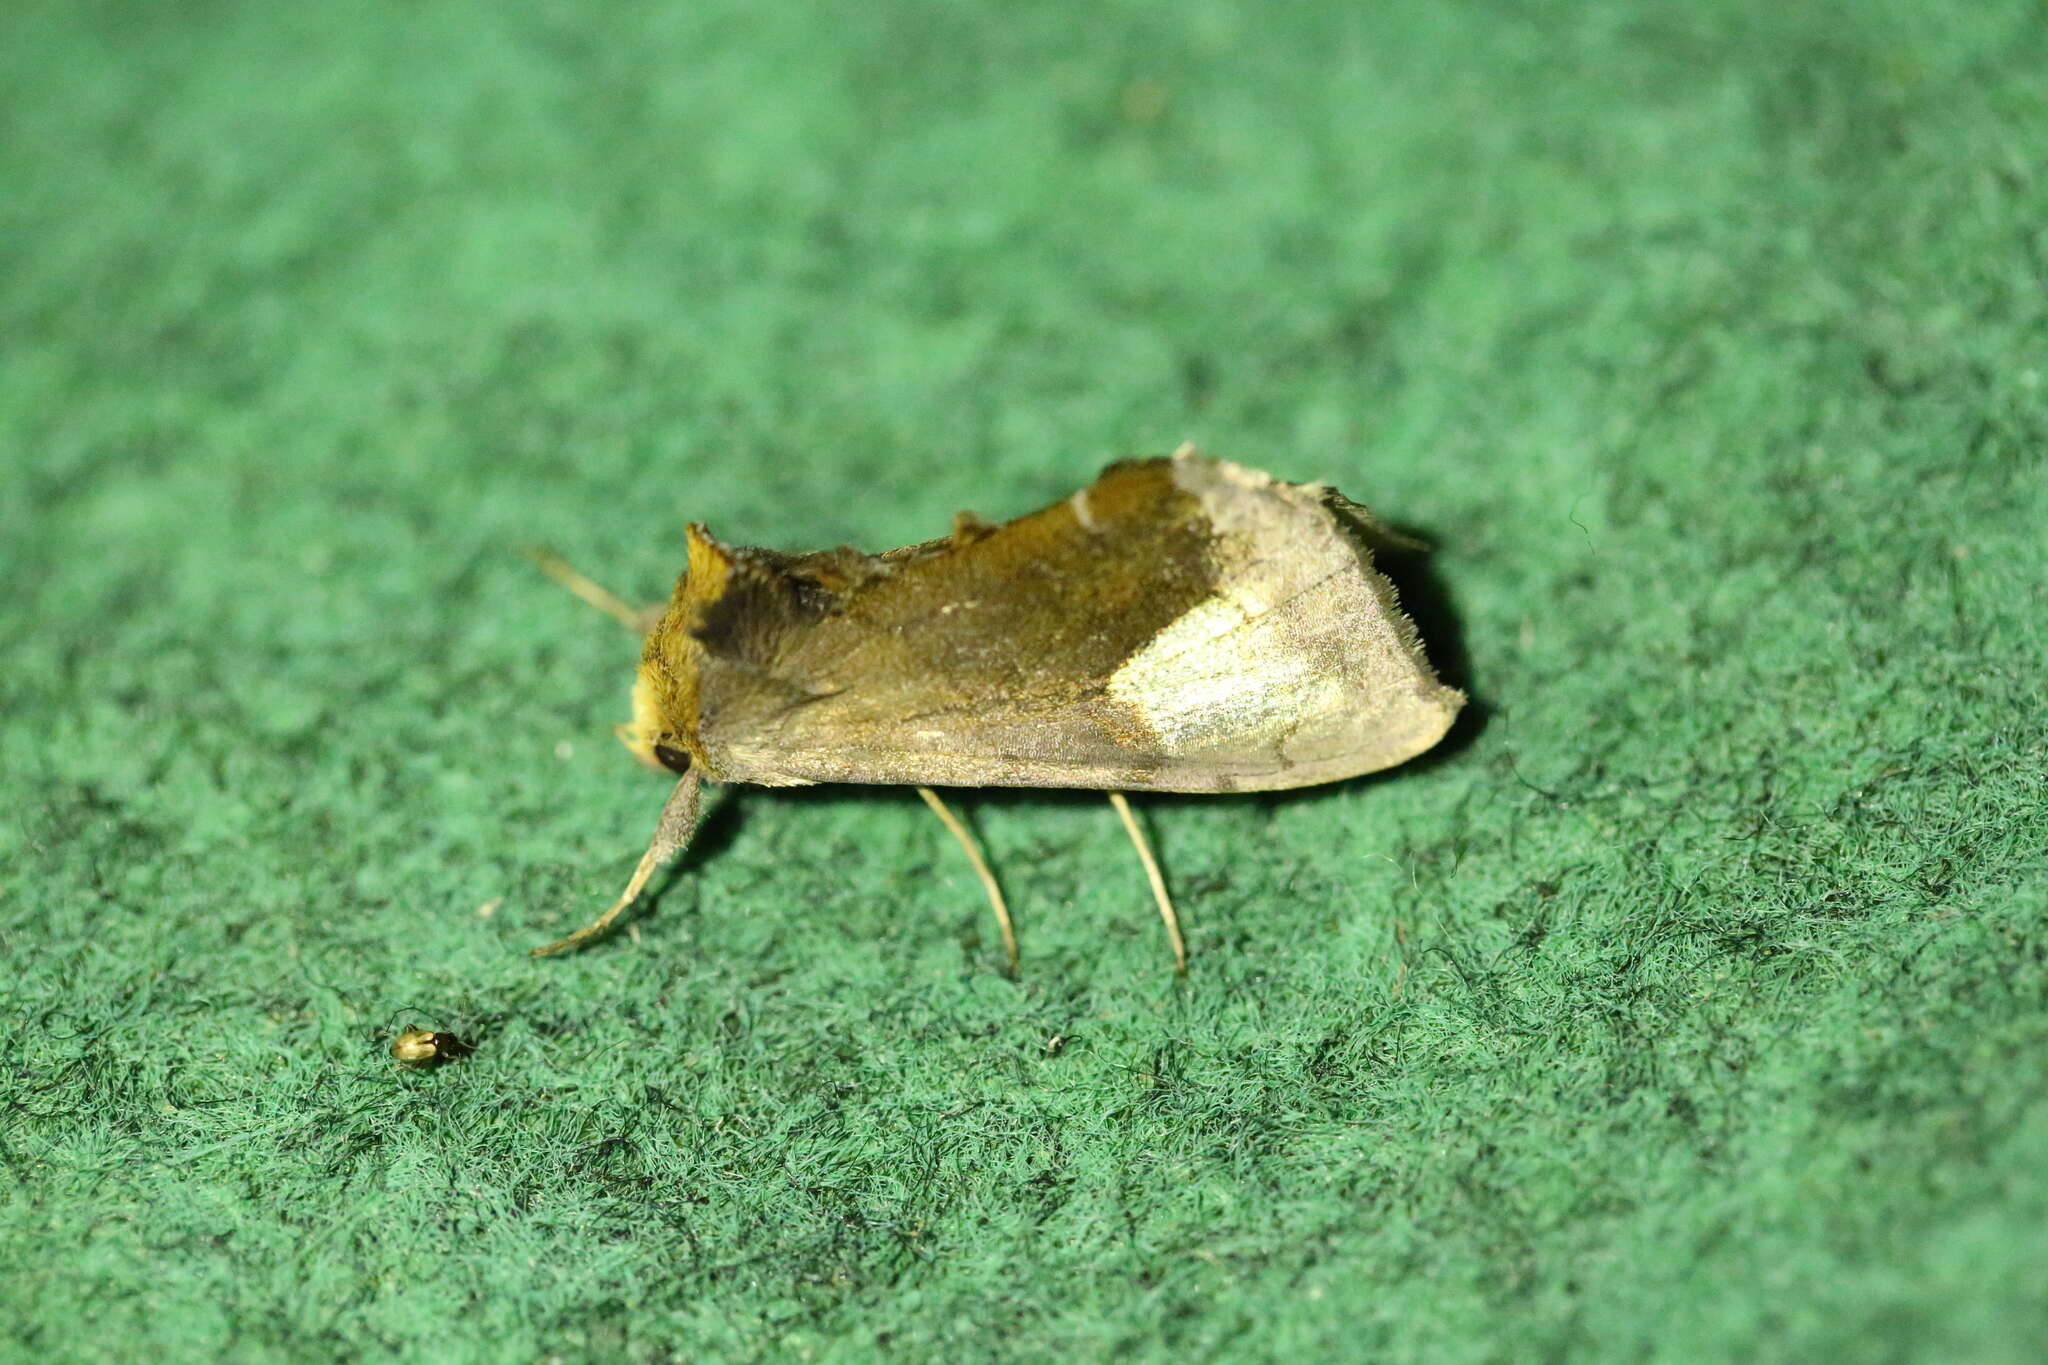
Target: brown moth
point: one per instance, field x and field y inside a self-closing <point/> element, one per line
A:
<point x="1180" y="625"/>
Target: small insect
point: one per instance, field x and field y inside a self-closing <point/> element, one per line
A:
<point x="421" y="1047"/>
<point x="1182" y="624"/>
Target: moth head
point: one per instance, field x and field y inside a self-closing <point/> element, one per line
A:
<point x="648" y="734"/>
<point x="663" y="731"/>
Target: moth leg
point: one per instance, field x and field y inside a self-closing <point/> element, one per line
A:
<point x="1152" y="874"/>
<point x="639" y="620"/>
<point x="988" y="878"/>
<point x="671" y="836"/>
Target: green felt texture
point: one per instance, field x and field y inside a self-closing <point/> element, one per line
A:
<point x="1691" y="1004"/>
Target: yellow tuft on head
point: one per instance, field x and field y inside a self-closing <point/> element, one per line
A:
<point x="710" y="564"/>
<point x="643" y="732"/>
<point x="663" y="731"/>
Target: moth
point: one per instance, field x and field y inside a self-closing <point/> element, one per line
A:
<point x="1182" y="624"/>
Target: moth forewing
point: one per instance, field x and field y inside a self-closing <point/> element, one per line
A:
<point x="1188" y="625"/>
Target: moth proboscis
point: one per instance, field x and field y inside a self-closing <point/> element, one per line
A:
<point x="1182" y="624"/>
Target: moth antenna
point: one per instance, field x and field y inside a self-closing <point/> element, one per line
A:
<point x="988" y="878"/>
<point x="596" y="594"/>
<point x="671" y="836"/>
<point x="1152" y="874"/>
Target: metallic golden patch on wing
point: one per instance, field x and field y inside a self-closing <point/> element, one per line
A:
<point x="1300" y="661"/>
<point x="1227" y="674"/>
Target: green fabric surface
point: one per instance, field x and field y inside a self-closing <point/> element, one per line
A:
<point x="1691" y="1003"/>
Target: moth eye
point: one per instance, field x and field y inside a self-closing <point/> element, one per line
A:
<point x="673" y="759"/>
